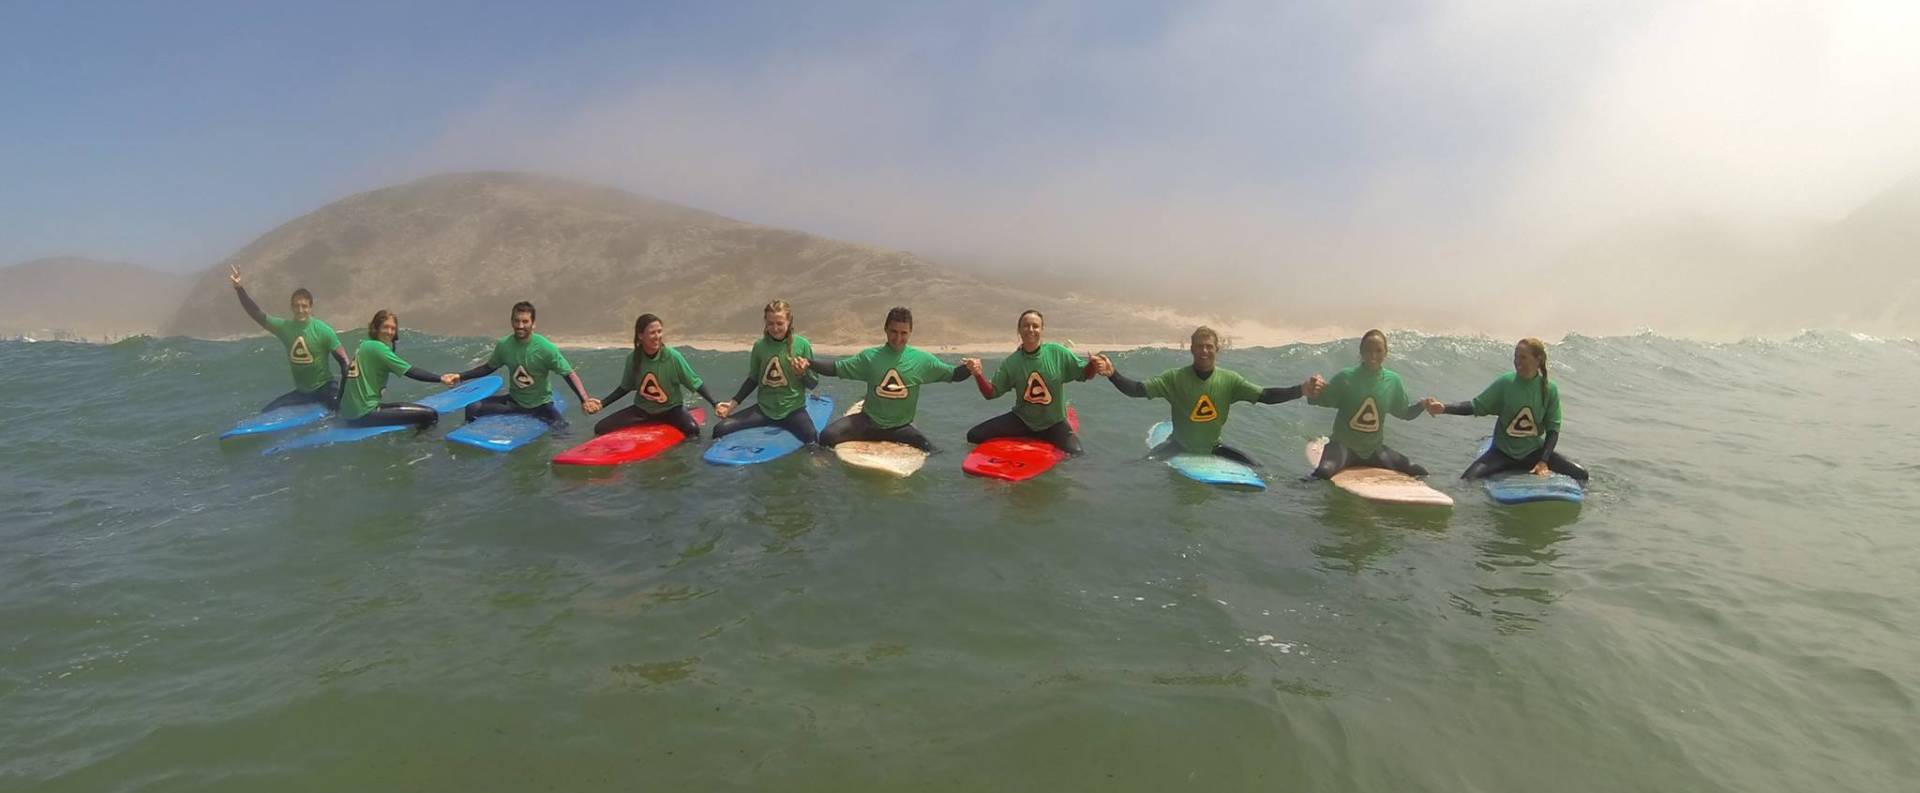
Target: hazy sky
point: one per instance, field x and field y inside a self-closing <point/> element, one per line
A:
<point x="1286" y="139"/>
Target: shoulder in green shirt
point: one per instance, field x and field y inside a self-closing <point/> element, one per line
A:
<point x="893" y="381"/>
<point x="372" y="363"/>
<point x="527" y="365"/>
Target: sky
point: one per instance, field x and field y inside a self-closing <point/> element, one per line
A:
<point x="1426" y="143"/>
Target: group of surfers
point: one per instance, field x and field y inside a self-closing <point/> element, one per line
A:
<point x="783" y="367"/>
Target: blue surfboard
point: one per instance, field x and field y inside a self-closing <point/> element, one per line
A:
<point x="1522" y="487"/>
<point x="1211" y="469"/>
<point x="443" y="402"/>
<point x="503" y="433"/>
<point x="761" y="444"/>
<point x="278" y="420"/>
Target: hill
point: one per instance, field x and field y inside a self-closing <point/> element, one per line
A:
<point x="77" y="298"/>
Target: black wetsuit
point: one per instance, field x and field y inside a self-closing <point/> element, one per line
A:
<point x="398" y="413"/>
<point x="1008" y="425"/>
<point x="499" y="404"/>
<point x="1272" y="395"/>
<point x="860" y="427"/>
<point x="633" y="416"/>
<point x="1335" y="458"/>
<point x="746" y="418"/>
<point x="1496" y="461"/>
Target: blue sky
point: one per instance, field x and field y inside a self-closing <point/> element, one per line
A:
<point x="1109" y="135"/>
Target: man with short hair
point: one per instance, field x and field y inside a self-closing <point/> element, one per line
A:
<point x="308" y="341"/>
<point x="528" y="357"/>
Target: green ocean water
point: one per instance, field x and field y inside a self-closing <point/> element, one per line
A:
<point x="1735" y="608"/>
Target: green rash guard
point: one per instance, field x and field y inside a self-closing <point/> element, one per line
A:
<point x="1364" y="399"/>
<point x="528" y="364"/>
<point x="893" y="381"/>
<point x="656" y="381"/>
<point x="367" y="377"/>
<point x="1039" y="378"/>
<point x="309" y="344"/>
<point x="777" y="381"/>
<point x="1520" y="432"/>
<point x="1200" y="405"/>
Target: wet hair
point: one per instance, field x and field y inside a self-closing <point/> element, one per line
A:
<point x="1539" y="350"/>
<point x="1208" y="333"/>
<point x="380" y="318"/>
<point x="1033" y="311"/>
<point x="300" y="293"/>
<point x="524" y="307"/>
<point x="640" y="324"/>
<point x="900" y="314"/>
<point x="1372" y="333"/>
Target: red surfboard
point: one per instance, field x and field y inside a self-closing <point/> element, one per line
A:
<point x="632" y="444"/>
<point x="1016" y="459"/>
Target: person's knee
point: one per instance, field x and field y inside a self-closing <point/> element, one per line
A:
<point x="979" y="434"/>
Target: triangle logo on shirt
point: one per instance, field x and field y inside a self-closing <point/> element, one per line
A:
<point x="353" y="370"/>
<point x="651" y="391"/>
<point x="1523" y="425"/>
<point x="1366" y="419"/>
<point x="1037" y="392"/>
<point x="891" y="386"/>
<point x="774" y="376"/>
<point x="298" y="353"/>
<point x="521" y="378"/>
<point x="1203" y="410"/>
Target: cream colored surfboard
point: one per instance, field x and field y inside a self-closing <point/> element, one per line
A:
<point x="1380" y="484"/>
<point x="887" y="457"/>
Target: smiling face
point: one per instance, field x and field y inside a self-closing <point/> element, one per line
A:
<point x="1030" y="326"/>
<point x="389" y="329"/>
<point x="1373" y="352"/>
<point x="652" y="338"/>
<point x="897" y="333"/>
<point x="1205" y="348"/>
<point x="302" y="307"/>
<point x="1525" y="363"/>
<point x="777" y="324"/>
<point x="522" y="325"/>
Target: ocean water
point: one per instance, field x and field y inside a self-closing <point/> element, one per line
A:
<point x="1735" y="608"/>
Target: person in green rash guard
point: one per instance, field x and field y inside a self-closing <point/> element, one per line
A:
<point x="773" y="369"/>
<point x="373" y="361"/>
<point x="1039" y="372"/>
<point x="1528" y="406"/>
<point x="893" y="373"/>
<point x="529" y="357"/>
<point x="1364" y="395"/>
<point x="308" y="340"/>
<point x="655" y="375"/>
<point x="1201" y="396"/>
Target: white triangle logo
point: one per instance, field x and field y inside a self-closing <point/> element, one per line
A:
<point x="1366" y="419"/>
<point x="774" y="376"/>
<point x="1523" y="425"/>
<point x="521" y="378"/>
<point x="298" y="353"/>
<point x="891" y="386"/>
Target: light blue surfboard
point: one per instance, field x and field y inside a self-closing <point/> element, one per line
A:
<point x="443" y="402"/>
<point x="761" y="444"/>
<point x="278" y="420"/>
<point x="1521" y="487"/>
<point x="1210" y="469"/>
<point x="503" y="433"/>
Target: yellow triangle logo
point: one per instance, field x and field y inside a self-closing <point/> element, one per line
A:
<point x="1523" y="425"/>
<point x="299" y="353"/>
<point x="353" y="370"/>
<point x="1366" y="419"/>
<point x="651" y="391"/>
<point x="774" y="376"/>
<point x="521" y="378"/>
<point x="1204" y="410"/>
<point x="1037" y="392"/>
<point x="891" y="386"/>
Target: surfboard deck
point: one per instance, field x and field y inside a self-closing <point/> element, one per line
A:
<point x="630" y="445"/>
<point x="1523" y="487"/>
<point x="1016" y="459"/>
<point x="887" y="457"/>
<point x="278" y="420"/>
<point x="442" y="402"/>
<point x="1379" y="484"/>
<point x="766" y="444"/>
<point x="503" y="432"/>
<point x="1209" y="469"/>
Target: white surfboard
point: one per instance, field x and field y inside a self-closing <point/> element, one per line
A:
<point x="1379" y="484"/>
<point x="887" y="457"/>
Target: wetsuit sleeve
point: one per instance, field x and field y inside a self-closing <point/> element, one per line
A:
<point x="1553" y="409"/>
<point x="614" y="396"/>
<point x="422" y="375"/>
<point x="701" y="389"/>
<point x="745" y="389"/>
<point x="1274" y="395"/>
<point x="1401" y="410"/>
<point x="340" y="357"/>
<point x="252" y="308"/>
<point x="625" y="386"/>
<point x="1129" y="386"/>
<point x="485" y="368"/>
<point x="986" y="388"/>
<point x="1458" y="408"/>
<point x="579" y="388"/>
<point x="845" y="367"/>
<point x="959" y="373"/>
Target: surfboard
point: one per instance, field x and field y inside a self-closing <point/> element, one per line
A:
<point x="1016" y="459"/>
<point x="887" y="457"/>
<point x="503" y="432"/>
<point x="1210" y="469"/>
<point x="443" y="402"/>
<point x="629" y="445"/>
<point x="1522" y="487"/>
<point x="765" y="444"/>
<point x="1380" y="484"/>
<point x="278" y="420"/>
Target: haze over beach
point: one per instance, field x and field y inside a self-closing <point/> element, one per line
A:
<point x="1622" y="499"/>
